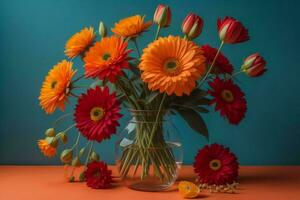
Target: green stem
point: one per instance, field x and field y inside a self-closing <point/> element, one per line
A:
<point x="236" y="73"/>
<point x="136" y="46"/>
<point x="69" y="128"/>
<point x="128" y="98"/>
<point x="157" y="32"/>
<point x="156" y="119"/>
<point x="74" y="95"/>
<point x="58" y="120"/>
<point x="64" y="131"/>
<point x="77" y="140"/>
<point x="186" y="37"/>
<point x="77" y="79"/>
<point x="80" y="86"/>
<point x="212" y="64"/>
<point x="88" y="155"/>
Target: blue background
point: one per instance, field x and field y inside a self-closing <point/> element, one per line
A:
<point x="32" y="38"/>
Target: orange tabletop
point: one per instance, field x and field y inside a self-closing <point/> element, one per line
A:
<point x="47" y="182"/>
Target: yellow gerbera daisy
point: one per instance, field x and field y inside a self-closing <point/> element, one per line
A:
<point x="172" y="65"/>
<point x="79" y="42"/>
<point x="46" y="148"/>
<point x="55" y="89"/>
<point x="131" y="26"/>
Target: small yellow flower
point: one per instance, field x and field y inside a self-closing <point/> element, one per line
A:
<point x="46" y="148"/>
<point x="131" y="26"/>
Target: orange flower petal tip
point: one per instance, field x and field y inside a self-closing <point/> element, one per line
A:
<point x="131" y="26"/>
<point x="188" y="189"/>
<point x="46" y="148"/>
<point x="80" y="42"/>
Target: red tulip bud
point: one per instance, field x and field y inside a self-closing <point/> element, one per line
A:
<point x="232" y="31"/>
<point x="192" y="26"/>
<point x="162" y="15"/>
<point x="254" y="65"/>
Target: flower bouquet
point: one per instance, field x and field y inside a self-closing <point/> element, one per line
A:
<point x="167" y="78"/>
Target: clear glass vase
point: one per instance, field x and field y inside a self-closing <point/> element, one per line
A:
<point x="149" y="152"/>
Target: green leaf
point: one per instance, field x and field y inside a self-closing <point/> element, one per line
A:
<point x="96" y="83"/>
<point x="133" y="67"/>
<point x="201" y="109"/>
<point x="204" y="101"/>
<point x="121" y="97"/>
<point x="194" y="120"/>
<point x="196" y="98"/>
<point x="125" y="84"/>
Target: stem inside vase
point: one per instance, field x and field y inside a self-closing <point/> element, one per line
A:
<point x="149" y="156"/>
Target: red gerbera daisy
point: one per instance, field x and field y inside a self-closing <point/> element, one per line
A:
<point x="215" y="164"/>
<point x="222" y="64"/>
<point x="229" y="99"/>
<point x="106" y="59"/>
<point x="97" y="114"/>
<point x="97" y="175"/>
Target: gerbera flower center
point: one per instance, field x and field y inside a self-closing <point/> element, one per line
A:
<point x="171" y="66"/>
<point x="227" y="95"/>
<point x="96" y="114"/>
<point x="53" y="84"/>
<point x="106" y="56"/>
<point x="215" y="164"/>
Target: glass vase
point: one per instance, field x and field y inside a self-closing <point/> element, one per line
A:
<point x="149" y="152"/>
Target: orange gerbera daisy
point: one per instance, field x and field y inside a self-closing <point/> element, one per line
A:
<point x="79" y="42"/>
<point x="46" y="148"/>
<point x="106" y="59"/>
<point x="172" y="65"/>
<point x="131" y="26"/>
<point x="55" y="89"/>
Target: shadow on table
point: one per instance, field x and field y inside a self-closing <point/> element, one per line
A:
<point x="268" y="176"/>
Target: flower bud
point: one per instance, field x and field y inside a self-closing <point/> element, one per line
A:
<point x="72" y="179"/>
<point x="192" y="26"/>
<point x="102" y="30"/>
<point x="81" y="152"/>
<point x="50" y="132"/>
<point x="63" y="137"/>
<point x="94" y="156"/>
<point x="66" y="155"/>
<point x="254" y="65"/>
<point x="232" y="31"/>
<point x="162" y="16"/>
<point x="81" y="177"/>
<point x="76" y="162"/>
<point x="52" y="141"/>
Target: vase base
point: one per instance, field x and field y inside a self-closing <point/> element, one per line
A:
<point x="149" y="187"/>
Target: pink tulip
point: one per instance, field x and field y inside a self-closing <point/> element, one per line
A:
<point x="162" y="15"/>
<point x="192" y="26"/>
<point x="254" y="65"/>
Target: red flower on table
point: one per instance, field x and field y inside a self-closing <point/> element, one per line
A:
<point x="215" y="164"/>
<point x="97" y="175"/>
